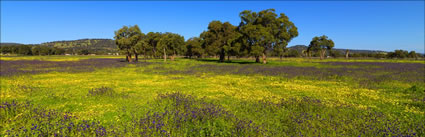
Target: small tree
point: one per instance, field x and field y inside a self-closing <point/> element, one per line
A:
<point x="126" y="38"/>
<point x="321" y="44"/>
<point x="83" y="52"/>
<point x="292" y="53"/>
<point x="398" y="54"/>
<point x="171" y="43"/>
<point x="44" y="50"/>
<point x="142" y="47"/>
<point x="194" y="47"/>
<point x="412" y="54"/>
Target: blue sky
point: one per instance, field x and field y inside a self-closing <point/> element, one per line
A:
<point x="374" y="25"/>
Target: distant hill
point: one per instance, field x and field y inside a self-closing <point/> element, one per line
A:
<point x="300" y="48"/>
<point x="10" y="44"/>
<point x="106" y="45"/>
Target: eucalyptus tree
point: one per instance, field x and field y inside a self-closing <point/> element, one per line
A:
<point x="194" y="47"/>
<point x="139" y="48"/>
<point x="208" y="43"/>
<point x="321" y="44"/>
<point x="232" y="41"/>
<point x="142" y="47"/>
<point x="266" y="30"/>
<point x="177" y="45"/>
<point x="126" y="38"/>
<point x="171" y="43"/>
<point x="220" y="38"/>
<point x="152" y="39"/>
<point x="412" y="54"/>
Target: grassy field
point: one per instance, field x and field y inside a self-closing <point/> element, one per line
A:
<point x="103" y="96"/>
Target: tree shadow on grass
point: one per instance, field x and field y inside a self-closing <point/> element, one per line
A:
<point x="228" y="61"/>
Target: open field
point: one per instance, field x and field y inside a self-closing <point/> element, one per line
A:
<point x="104" y="96"/>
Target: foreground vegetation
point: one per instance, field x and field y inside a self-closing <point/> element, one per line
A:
<point x="87" y="96"/>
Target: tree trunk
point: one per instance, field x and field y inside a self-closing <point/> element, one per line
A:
<point x="264" y="58"/>
<point x="137" y="57"/>
<point x="129" y="58"/>
<point x="280" y="57"/>
<point x="257" y="59"/>
<point x="154" y="53"/>
<point x="346" y="54"/>
<point x="173" y="56"/>
<point x="322" y="54"/>
<point x="165" y="56"/>
<point x="222" y="56"/>
<point x="228" y="58"/>
<point x="126" y="58"/>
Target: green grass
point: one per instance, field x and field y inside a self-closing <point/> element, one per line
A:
<point x="136" y="92"/>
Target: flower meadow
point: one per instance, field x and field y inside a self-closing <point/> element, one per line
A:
<point x="81" y="96"/>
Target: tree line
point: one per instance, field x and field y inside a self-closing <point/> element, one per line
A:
<point x="42" y="50"/>
<point x="194" y="50"/>
<point x="258" y="34"/>
<point x="31" y="50"/>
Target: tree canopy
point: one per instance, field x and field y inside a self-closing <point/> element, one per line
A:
<point x="220" y="39"/>
<point x="126" y="38"/>
<point x="266" y="30"/>
<point x="194" y="47"/>
<point x="321" y="44"/>
<point x="171" y="44"/>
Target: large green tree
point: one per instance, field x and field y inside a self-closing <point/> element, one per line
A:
<point x="171" y="44"/>
<point x="194" y="47"/>
<point x="126" y="38"/>
<point x="264" y="31"/>
<point x="152" y="39"/>
<point x="142" y="47"/>
<point x="321" y="44"/>
<point x="220" y="38"/>
<point x="208" y="43"/>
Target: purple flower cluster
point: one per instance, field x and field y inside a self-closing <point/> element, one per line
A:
<point x="177" y="114"/>
<point x="310" y="117"/>
<point x="182" y="115"/>
<point x="36" y="121"/>
<point x="184" y="112"/>
<point x="381" y="71"/>
<point x="368" y="73"/>
<point x="11" y="68"/>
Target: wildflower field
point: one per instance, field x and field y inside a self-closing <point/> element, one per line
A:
<point x="105" y="96"/>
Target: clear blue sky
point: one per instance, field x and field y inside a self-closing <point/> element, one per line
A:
<point x="378" y="25"/>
